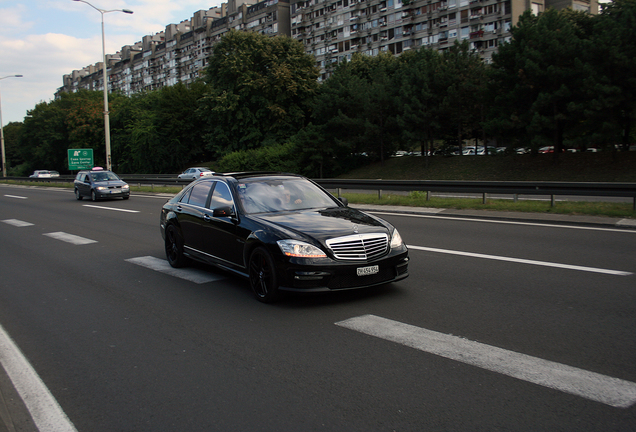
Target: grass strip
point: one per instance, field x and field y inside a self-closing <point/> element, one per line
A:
<point x="418" y="199"/>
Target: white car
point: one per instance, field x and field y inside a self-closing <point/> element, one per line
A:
<point x="41" y="174"/>
<point x="195" y="173"/>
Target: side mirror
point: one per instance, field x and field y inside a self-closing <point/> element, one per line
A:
<point x="223" y="212"/>
<point x="344" y="201"/>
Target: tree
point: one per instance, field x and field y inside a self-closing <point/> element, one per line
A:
<point x="614" y="55"/>
<point x="419" y="83"/>
<point x="260" y="87"/>
<point x="44" y="140"/>
<point x="540" y="76"/>
<point x="358" y="104"/>
<point x="159" y="131"/>
<point x="14" y="159"/>
<point x="462" y="105"/>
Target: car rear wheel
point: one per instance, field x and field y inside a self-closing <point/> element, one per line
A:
<point x="78" y="196"/>
<point x="174" y="247"/>
<point x="262" y="274"/>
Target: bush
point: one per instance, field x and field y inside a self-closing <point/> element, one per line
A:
<point x="276" y="157"/>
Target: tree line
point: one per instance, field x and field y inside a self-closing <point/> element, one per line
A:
<point x="565" y="79"/>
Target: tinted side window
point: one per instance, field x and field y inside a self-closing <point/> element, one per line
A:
<point x="199" y="194"/>
<point x="221" y="197"/>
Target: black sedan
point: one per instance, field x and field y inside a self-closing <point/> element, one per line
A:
<point x="281" y="231"/>
<point x="99" y="183"/>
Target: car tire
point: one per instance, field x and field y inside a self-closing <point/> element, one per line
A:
<point x="93" y="196"/>
<point x="174" y="247"/>
<point x="78" y="196"/>
<point x="262" y="274"/>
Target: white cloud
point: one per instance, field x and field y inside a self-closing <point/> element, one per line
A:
<point x="46" y="39"/>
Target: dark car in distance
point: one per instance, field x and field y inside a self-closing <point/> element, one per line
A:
<point x="99" y="184"/>
<point x="283" y="232"/>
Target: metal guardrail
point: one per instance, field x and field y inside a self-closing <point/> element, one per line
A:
<point x="514" y="188"/>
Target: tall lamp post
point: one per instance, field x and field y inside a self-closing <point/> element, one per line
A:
<point x="106" y="118"/>
<point x="4" y="163"/>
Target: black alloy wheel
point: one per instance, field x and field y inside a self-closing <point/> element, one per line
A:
<point x="93" y="195"/>
<point x="78" y="196"/>
<point x="174" y="248"/>
<point x="262" y="274"/>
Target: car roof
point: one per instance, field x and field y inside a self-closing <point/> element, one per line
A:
<point x="247" y="174"/>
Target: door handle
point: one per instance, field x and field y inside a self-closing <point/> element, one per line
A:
<point x="207" y="218"/>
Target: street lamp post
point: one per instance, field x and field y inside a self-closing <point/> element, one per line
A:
<point x="106" y="117"/>
<point x="4" y="162"/>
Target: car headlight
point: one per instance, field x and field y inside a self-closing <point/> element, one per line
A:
<point x="295" y="248"/>
<point x="125" y="187"/>
<point x="396" y="240"/>
<point x="100" y="188"/>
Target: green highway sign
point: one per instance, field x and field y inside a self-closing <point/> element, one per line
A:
<point x="79" y="159"/>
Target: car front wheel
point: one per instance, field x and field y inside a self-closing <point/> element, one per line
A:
<point x="78" y="196"/>
<point x="174" y="247"/>
<point x="93" y="196"/>
<point x="262" y="274"/>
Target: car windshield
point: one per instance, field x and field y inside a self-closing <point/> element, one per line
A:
<point x="266" y="195"/>
<point x="104" y="176"/>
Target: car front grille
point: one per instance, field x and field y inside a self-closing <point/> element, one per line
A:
<point x="360" y="247"/>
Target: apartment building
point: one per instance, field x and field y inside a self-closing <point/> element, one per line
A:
<point x="330" y="30"/>
<point x="180" y="53"/>
<point x="333" y="30"/>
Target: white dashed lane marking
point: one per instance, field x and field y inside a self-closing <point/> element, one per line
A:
<point x="17" y="223"/>
<point x="70" y="238"/>
<point x="590" y="385"/>
<point x="111" y="208"/>
<point x="161" y="265"/>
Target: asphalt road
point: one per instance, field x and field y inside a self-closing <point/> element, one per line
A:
<point x="500" y="326"/>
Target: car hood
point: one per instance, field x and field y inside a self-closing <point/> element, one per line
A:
<point x="324" y="224"/>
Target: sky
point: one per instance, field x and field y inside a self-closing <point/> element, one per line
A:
<point x="46" y="39"/>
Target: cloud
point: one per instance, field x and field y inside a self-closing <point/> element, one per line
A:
<point x="50" y="38"/>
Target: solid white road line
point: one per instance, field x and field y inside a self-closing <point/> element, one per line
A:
<point x="590" y="385"/>
<point x="70" y="238"/>
<point x="44" y="409"/>
<point x="17" y="223"/>
<point x="538" y="224"/>
<point x="523" y="261"/>
<point x="111" y="208"/>
<point x="161" y="265"/>
<point x="16" y="196"/>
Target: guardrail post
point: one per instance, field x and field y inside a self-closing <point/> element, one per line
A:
<point x="515" y="197"/>
<point x="551" y="200"/>
<point x="483" y="199"/>
<point x="380" y="194"/>
<point x="428" y="195"/>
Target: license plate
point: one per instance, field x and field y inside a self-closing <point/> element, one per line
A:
<point x="365" y="271"/>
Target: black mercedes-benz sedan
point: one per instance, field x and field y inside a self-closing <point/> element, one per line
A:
<point x="281" y="231"/>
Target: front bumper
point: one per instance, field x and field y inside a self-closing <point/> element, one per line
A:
<point x="334" y="276"/>
<point x="112" y="193"/>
